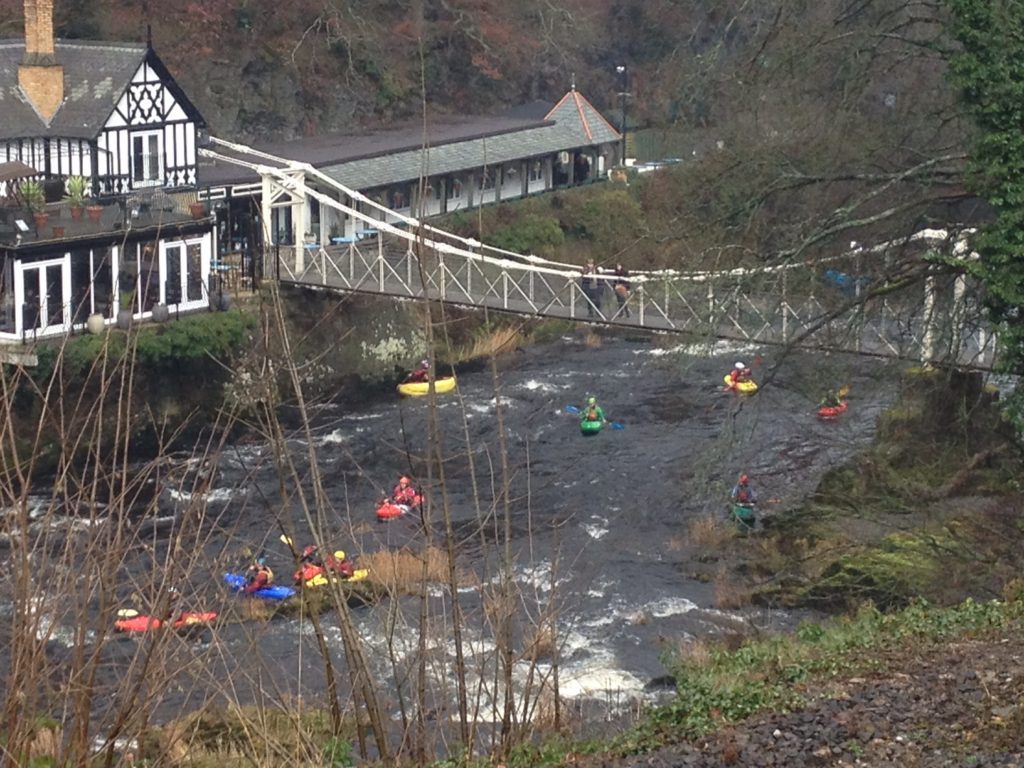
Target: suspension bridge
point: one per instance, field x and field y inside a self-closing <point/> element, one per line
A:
<point x="853" y="302"/>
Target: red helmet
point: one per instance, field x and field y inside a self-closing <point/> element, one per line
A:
<point x="744" y="479"/>
<point x="310" y="550"/>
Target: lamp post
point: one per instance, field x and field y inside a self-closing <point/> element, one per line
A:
<point x="623" y="73"/>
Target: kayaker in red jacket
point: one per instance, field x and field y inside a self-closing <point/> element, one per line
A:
<point x="742" y="493"/>
<point x="420" y="373"/>
<point x="405" y="493"/>
<point x="310" y="565"/>
<point x="739" y="373"/>
<point x="258" y="576"/>
<point x="341" y="565"/>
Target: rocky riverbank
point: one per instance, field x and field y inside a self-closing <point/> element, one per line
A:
<point x="953" y="704"/>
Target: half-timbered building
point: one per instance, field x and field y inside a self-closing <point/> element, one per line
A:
<point x="113" y="115"/>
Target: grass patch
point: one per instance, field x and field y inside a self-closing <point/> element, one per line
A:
<point x="494" y="342"/>
<point x="403" y="571"/>
<point x="716" y="686"/>
<point x="708" y="532"/>
<point x="247" y="736"/>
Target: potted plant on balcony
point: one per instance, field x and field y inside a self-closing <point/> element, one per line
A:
<point x="94" y="211"/>
<point x="76" y="195"/>
<point x="34" y="197"/>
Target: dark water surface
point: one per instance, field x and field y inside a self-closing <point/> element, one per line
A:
<point x="599" y="523"/>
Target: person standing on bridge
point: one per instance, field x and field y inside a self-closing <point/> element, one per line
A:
<point x="621" y="288"/>
<point x="592" y="288"/>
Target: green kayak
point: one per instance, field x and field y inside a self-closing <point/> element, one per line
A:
<point x="590" y="427"/>
<point x="744" y="516"/>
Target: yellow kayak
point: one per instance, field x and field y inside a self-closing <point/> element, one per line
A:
<point x="743" y="387"/>
<point x="420" y="388"/>
<point x="321" y="580"/>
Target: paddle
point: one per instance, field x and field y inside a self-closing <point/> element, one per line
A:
<point x="127" y="613"/>
<point x="613" y="424"/>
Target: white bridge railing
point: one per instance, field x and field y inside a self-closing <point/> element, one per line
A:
<point x="848" y="303"/>
<point x="935" y="318"/>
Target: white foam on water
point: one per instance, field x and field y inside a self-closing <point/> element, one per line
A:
<point x="216" y="495"/>
<point x="598" y="528"/>
<point x="668" y="606"/>
<point x="334" y="438"/>
<point x="222" y="494"/>
<point x="599" y="678"/>
<point x="533" y="385"/>
<point x="603" y="621"/>
<point x="720" y="348"/>
<point x="363" y="416"/>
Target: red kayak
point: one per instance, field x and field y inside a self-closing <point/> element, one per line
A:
<point x="388" y="510"/>
<point x="831" y="411"/>
<point x="142" y="623"/>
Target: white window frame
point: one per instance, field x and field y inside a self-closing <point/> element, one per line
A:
<point x="20" y="268"/>
<point x="205" y="269"/>
<point x="152" y="176"/>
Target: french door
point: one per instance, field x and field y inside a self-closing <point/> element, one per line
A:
<point x="181" y="264"/>
<point x="42" y="292"/>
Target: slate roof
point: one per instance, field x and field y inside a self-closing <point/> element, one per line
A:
<point x="392" y="156"/>
<point x="95" y="76"/>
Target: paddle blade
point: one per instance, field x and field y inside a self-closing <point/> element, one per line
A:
<point x="285" y="539"/>
<point x="617" y="425"/>
<point x="572" y="409"/>
<point x="844" y="390"/>
<point x="127" y="613"/>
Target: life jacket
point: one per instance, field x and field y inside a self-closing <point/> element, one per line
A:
<point x="256" y="570"/>
<point x="743" y="495"/>
<point x="308" y="572"/>
<point x="591" y="413"/>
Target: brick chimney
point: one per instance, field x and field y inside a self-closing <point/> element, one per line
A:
<point x="40" y="76"/>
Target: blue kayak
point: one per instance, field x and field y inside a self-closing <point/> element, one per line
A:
<point x="274" y="592"/>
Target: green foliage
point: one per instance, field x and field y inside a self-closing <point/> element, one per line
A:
<point x="608" y="215"/>
<point x="730" y="685"/>
<point x="215" y="335"/>
<point x="77" y="191"/>
<point x="338" y="753"/>
<point x="532" y="234"/>
<point x="989" y="70"/>
<point x="33" y="194"/>
<point x="165" y="347"/>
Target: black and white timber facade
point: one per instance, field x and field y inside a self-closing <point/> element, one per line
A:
<point x="120" y="121"/>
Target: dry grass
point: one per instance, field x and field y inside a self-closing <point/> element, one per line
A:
<point x="730" y="594"/>
<point x="543" y="645"/>
<point x="592" y="340"/>
<point x="402" y="570"/>
<point x="46" y="743"/>
<point x="697" y="652"/>
<point x="708" y="532"/>
<point x="497" y="342"/>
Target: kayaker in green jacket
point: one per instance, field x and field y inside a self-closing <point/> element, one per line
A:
<point x="831" y="399"/>
<point x="593" y="411"/>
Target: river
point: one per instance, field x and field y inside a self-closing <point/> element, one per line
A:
<point x="599" y="524"/>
